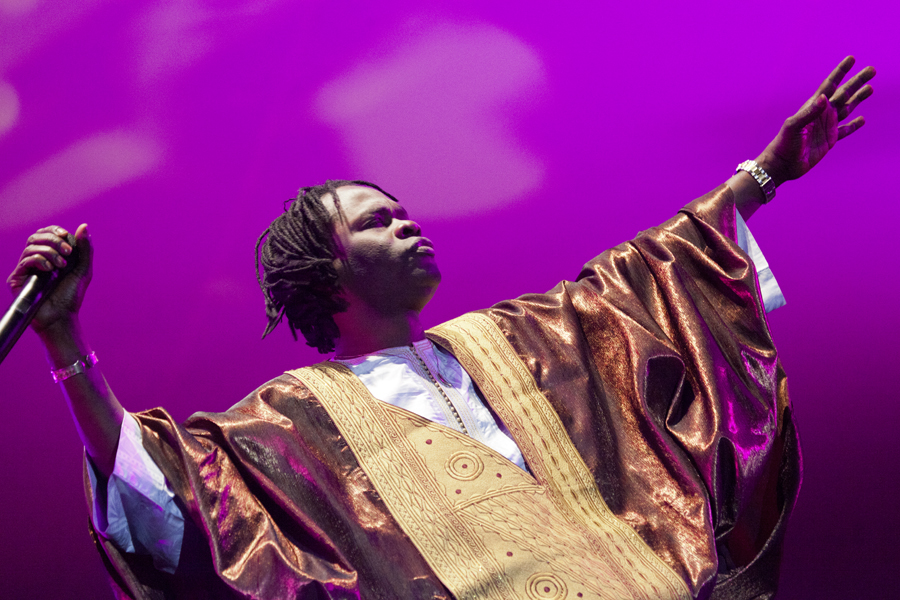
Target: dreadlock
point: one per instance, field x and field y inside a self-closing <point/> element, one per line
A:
<point x="298" y="277"/>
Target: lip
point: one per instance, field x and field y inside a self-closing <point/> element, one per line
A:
<point x="424" y="246"/>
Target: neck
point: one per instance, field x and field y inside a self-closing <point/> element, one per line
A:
<point x="364" y="331"/>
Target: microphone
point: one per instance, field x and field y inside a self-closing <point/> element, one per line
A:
<point x="38" y="287"/>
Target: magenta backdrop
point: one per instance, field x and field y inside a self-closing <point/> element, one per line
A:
<point x="525" y="137"/>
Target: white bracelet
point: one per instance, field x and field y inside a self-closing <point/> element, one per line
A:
<point x="761" y="177"/>
<point x="80" y="366"/>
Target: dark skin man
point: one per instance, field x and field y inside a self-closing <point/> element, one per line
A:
<point x="387" y="269"/>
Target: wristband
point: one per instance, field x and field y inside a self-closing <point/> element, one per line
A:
<point x="762" y="178"/>
<point x="80" y="366"/>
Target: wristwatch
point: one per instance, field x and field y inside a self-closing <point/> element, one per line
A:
<point x="762" y="178"/>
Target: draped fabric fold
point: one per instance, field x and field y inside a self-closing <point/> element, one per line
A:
<point x="658" y="362"/>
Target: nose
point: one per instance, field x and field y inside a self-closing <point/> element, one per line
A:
<point x="407" y="229"/>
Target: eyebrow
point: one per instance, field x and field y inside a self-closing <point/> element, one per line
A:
<point x="397" y="213"/>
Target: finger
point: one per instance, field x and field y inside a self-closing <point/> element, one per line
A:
<point x="834" y="80"/>
<point x="55" y="229"/>
<point x="845" y="130"/>
<point x="847" y="90"/>
<point x="851" y="104"/>
<point x="85" y="249"/>
<point x="49" y="253"/>
<point x="82" y="233"/>
<point x="807" y="114"/>
<point x="37" y="259"/>
<point x="26" y="267"/>
<point x="54" y="238"/>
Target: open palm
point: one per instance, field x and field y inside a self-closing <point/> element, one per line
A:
<point x="806" y="137"/>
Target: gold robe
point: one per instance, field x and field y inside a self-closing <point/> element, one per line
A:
<point x="659" y="366"/>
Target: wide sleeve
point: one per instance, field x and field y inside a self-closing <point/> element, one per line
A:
<point x="275" y="506"/>
<point x="659" y="361"/>
<point x="136" y="508"/>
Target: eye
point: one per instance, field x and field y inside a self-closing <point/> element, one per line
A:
<point x="379" y="220"/>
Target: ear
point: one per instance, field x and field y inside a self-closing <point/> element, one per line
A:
<point x="339" y="262"/>
<point x="342" y="269"/>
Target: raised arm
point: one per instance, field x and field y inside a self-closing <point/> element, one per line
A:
<point x="807" y="136"/>
<point x="97" y="413"/>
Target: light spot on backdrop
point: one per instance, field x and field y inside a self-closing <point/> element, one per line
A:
<point x="172" y="36"/>
<point x="428" y="119"/>
<point x="81" y="171"/>
<point x="25" y="25"/>
<point x="9" y="107"/>
<point x="175" y="35"/>
<point x="15" y="8"/>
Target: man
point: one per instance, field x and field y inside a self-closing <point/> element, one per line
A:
<point x="626" y="435"/>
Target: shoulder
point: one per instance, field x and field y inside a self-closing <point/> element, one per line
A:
<point x="276" y="402"/>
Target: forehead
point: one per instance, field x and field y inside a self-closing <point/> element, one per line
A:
<point x="357" y="201"/>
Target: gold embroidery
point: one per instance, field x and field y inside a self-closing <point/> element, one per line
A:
<point x="487" y="528"/>
<point x="464" y="465"/>
<point x="481" y="348"/>
<point x="408" y="489"/>
<point x="546" y="586"/>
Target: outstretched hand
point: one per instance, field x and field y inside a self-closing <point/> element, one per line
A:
<point x="47" y="251"/>
<point x="806" y="137"/>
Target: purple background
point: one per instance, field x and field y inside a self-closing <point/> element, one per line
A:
<point x="524" y="137"/>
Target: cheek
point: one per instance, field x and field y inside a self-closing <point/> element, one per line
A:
<point x="370" y="259"/>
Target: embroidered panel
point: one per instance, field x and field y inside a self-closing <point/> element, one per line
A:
<point x="487" y="528"/>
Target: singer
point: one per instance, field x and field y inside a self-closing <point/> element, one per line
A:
<point x="626" y="435"/>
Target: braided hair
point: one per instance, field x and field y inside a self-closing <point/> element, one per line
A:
<point x="298" y="277"/>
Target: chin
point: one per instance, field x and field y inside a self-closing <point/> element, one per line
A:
<point x="426" y="297"/>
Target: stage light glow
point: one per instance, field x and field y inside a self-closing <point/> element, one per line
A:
<point x="15" y="8"/>
<point x="174" y="36"/>
<point x="83" y="170"/>
<point x="429" y="118"/>
<point x="9" y="107"/>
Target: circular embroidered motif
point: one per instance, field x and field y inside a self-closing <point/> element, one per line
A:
<point x="464" y="465"/>
<point x="546" y="586"/>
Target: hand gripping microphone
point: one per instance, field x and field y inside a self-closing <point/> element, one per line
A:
<point x="38" y="287"/>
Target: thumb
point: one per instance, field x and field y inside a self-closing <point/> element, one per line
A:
<point x="85" y="250"/>
<point x="809" y="113"/>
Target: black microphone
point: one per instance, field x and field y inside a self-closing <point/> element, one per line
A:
<point x="37" y="288"/>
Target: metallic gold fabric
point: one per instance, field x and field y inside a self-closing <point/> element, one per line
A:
<point x="660" y="367"/>
<point x="659" y="362"/>
<point x="486" y="528"/>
